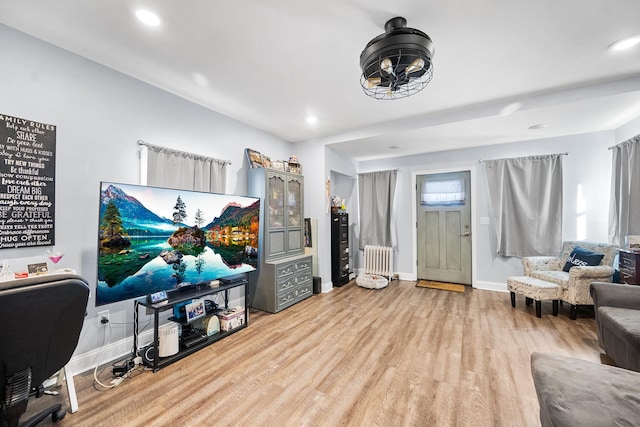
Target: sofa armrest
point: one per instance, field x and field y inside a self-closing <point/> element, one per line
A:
<point x="599" y="273"/>
<point x="540" y="263"/>
<point x="615" y="295"/>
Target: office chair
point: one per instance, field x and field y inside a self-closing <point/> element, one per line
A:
<point x="40" y="322"/>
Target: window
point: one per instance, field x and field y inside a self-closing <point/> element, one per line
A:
<point x="449" y="192"/>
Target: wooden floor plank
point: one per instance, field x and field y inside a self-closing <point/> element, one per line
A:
<point x="401" y="356"/>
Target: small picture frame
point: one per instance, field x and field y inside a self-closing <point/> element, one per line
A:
<point x="295" y="168"/>
<point x="277" y="165"/>
<point x="254" y="158"/>
<point x="633" y="242"/>
<point x="158" y="297"/>
<point x="37" y="269"/>
<point x="195" y="310"/>
<point x="286" y="165"/>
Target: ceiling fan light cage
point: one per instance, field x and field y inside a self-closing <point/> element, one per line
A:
<point x="399" y="83"/>
<point x="398" y="63"/>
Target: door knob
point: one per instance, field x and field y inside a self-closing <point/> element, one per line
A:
<point x="466" y="233"/>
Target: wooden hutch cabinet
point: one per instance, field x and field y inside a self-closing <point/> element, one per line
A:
<point x="284" y="276"/>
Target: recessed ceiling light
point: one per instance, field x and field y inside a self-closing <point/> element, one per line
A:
<point x="538" y="126"/>
<point x="147" y="17"/>
<point x="394" y="147"/>
<point x="625" y="43"/>
<point x="312" y="119"/>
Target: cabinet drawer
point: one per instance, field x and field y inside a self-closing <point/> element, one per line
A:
<point x="627" y="263"/>
<point x="302" y="265"/>
<point x="292" y="281"/>
<point x="286" y="269"/>
<point x="294" y="295"/>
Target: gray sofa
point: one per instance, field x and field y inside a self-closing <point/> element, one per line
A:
<point x="617" y="309"/>
<point x="574" y="392"/>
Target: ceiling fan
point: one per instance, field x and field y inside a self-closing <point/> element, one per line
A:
<point x="398" y="63"/>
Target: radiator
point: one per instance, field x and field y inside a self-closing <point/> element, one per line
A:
<point x="378" y="260"/>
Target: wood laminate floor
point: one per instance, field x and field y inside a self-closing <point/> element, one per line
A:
<point x="398" y="356"/>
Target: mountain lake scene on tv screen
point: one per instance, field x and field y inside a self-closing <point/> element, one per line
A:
<point x="153" y="239"/>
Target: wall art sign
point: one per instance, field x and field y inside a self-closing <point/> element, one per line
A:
<point x="27" y="183"/>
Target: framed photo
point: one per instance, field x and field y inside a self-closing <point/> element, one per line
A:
<point x="195" y="310"/>
<point x="286" y="165"/>
<point x="266" y="161"/>
<point x="37" y="269"/>
<point x="295" y="168"/>
<point x="254" y="158"/>
<point x="277" y="165"/>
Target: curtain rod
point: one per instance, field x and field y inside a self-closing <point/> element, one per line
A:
<point x="559" y="154"/>
<point x="628" y="141"/>
<point x="146" y="144"/>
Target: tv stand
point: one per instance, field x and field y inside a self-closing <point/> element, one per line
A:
<point x="179" y="297"/>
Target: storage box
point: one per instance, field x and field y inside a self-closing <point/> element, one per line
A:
<point x="231" y="318"/>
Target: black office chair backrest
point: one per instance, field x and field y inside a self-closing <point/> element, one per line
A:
<point x="40" y="323"/>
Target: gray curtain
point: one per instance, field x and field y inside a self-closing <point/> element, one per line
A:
<point x="185" y="171"/>
<point x="624" y="207"/>
<point x="526" y="200"/>
<point x="376" y="193"/>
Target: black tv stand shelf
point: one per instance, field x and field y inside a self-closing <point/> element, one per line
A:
<point x="177" y="297"/>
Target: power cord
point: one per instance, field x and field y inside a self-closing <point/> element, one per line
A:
<point x="105" y="342"/>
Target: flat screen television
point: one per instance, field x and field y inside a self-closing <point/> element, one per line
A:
<point x="152" y="239"/>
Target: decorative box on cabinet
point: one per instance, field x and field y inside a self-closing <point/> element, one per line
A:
<point x="284" y="275"/>
<point x="629" y="263"/>
<point x="339" y="248"/>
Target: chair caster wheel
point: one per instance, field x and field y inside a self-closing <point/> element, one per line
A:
<point x="58" y="415"/>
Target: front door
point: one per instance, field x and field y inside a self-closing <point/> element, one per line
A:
<point x="444" y="227"/>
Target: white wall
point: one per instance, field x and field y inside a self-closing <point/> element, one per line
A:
<point x="629" y="130"/>
<point x="586" y="183"/>
<point x="100" y="115"/>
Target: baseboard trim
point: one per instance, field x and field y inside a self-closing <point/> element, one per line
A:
<point x="110" y="352"/>
<point x="491" y="286"/>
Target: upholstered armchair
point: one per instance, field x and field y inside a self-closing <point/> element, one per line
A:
<point x="575" y="283"/>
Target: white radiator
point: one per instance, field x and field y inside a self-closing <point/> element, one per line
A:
<point x="378" y="260"/>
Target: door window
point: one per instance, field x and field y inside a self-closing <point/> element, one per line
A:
<point x="449" y="192"/>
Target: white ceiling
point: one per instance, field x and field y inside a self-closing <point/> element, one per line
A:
<point x="271" y="63"/>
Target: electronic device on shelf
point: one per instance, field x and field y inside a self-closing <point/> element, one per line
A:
<point x="179" y="312"/>
<point x="233" y="279"/>
<point x="194" y="339"/>
<point x="210" y="306"/>
<point x="157" y="297"/>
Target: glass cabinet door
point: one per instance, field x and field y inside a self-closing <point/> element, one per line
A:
<point x="293" y="203"/>
<point x="276" y="201"/>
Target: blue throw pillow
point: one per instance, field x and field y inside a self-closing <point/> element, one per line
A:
<point x="581" y="257"/>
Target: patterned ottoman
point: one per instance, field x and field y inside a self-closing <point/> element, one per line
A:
<point x="534" y="289"/>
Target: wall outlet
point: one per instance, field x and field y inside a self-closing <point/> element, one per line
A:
<point x="103" y="318"/>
